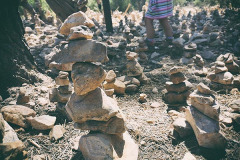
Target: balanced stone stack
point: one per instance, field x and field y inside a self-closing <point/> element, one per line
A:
<point x="113" y="85"/>
<point x="62" y="93"/>
<point x="134" y="69"/>
<point x="199" y="69"/>
<point x="178" y="89"/>
<point x="221" y="79"/>
<point x="203" y="116"/>
<point x="142" y="46"/>
<point x="89" y="107"/>
<point x="189" y="53"/>
<point x="231" y="62"/>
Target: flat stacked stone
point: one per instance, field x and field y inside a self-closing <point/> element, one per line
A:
<point x="221" y="76"/>
<point x="178" y="89"/>
<point x="142" y="47"/>
<point x="89" y="106"/>
<point x="230" y="62"/>
<point x="199" y="69"/>
<point x="112" y="85"/>
<point x="203" y="116"/>
<point x="134" y="69"/>
<point x="189" y="52"/>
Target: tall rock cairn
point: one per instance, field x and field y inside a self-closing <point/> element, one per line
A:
<point x="89" y="107"/>
<point x="178" y="89"/>
<point x="203" y="116"/>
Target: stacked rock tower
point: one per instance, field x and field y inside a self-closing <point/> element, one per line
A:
<point x="203" y="116"/>
<point x="178" y="89"/>
<point x="88" y="106"/>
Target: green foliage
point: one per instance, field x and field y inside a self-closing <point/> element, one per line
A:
<point x="92" y="4"/>
<point x="179" y="2"/>
<point x="121" y="5"/>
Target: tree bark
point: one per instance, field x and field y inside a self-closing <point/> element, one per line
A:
<point x="107" y="15"/>
<point x="63" y="8"/>
<point x="16" y="61"/>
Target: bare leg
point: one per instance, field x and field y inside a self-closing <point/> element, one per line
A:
<point x="149" y="28"/>
<point x="167" y="27"/>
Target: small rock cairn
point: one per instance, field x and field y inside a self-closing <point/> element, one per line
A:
<point x="88" y="106"/>
<point x="221" y="79"/>
<point x="203" y="116"/>
<point x="62" y="93"/>
<point x="189" y="53"/>
<point x="178" y="89"/>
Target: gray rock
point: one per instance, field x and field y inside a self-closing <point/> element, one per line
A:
<point x="202" y="98"/>
<point x="206" y="129"/>
<point x="134" y="68"/>
<point x="95" y="105"/>
<point x="111" y="75"/>
<point x="183" y="128"/>
<point x="114" y="125"/>
<point x="17" y="114"/>
<point x="176" y="69"/>
<point x="9" y="134"/>
<point x="78" y="51"/>
<point x="43" y="122"/>
<point x="212" y="111"/>
<point x="75" y="19"/>
<point x="220" y="69"/>
<point x="80" y="32"/>
<point x="222" y="78"/>
<point x="176" y="98"/>
<point x="16" y="149"/>
<point x="208" y="55"/>
<point x="87" y="77"/>
<point x="202" y="88"/>
<point x="181" y="87"/>
<point x="56" y="132"/>
<point x="101" y="146"/>
<point x="177" y="78"/>
<point x="235" y="105"/>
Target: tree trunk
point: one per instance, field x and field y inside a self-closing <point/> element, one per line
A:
<point x="63" y="8"/>
<point x="107" y="15"/>
<point x="16" y="61"/>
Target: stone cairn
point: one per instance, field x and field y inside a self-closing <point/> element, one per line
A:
<point x="62" y="93"/>
<point x="221" y="78"/>
<point x="188" y="53"/>
<point x="88" y="106"/>
<point x="199" y="69"/>
<point x="178" y="89"/>
<point x="203" y="116"/>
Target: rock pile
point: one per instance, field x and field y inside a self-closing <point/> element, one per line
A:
<point x="199" y="69"/>
<point x="189" y="52"/>
<point x="221" y="79"/>
<point x="134" y="69"/>
<point x="178" y="89"/>
<point x="142" y="46"/>
<point x="62" y="93"/>
<point x="231" y="62"/>
<point x="203" y="116"/>
<point x="89" y="106"/>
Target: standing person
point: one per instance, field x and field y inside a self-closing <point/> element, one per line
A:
<point x="99" y="5"/>
<point x="159" y="10"/>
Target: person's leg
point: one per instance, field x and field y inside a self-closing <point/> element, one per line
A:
<point x="167" y="27"/>
<point x="149" y="28"/>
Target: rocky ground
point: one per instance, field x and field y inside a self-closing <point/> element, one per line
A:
<point x="150" y="126"/>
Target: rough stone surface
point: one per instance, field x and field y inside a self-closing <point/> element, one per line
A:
<point x="100" y="146"/>
<point x="95" y="105"/>
<point x="87" y="77"/>
<point x="177" y="78"/>
<point x="80" y="32"/>
<point x="220" y="69"/>
<point x="60" y="66"/>
<point x="78" y="51"/>
<point x="212" y="111"/>
<point x="222" y="78"/>
<point x="43" y="122"/>
<point x="233" y="67"/>
<point x="111" y="75"/>
<point x="131" y="55"/>
<point x="119" y="87"/>
<point x="176" y="98"/>
<point x="114" y="125"/>
<point x="56" y="132"/>
<point x="2" y="127"/>
<point x="109" y="92"/>
<point x="205" y="129"/>
<point x="56" y="96"/>
<point x="73" y="20"/>
<point x="22" y="97"/>
<point x="235" y="105"/>
<point x="181" y="87"/>
<point x="202" y="98"/>
<point x="183" y="128"/>
<point x="134" y="68"/>
<point x="202" y="88"/>
<point x="176" y="69"/>
<point x="131" y="88"/>
<point x="236" y="118"/>
<point x="17" y="114"/>
<point x="12" y="150"/>
<point x="9" y="134"/>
